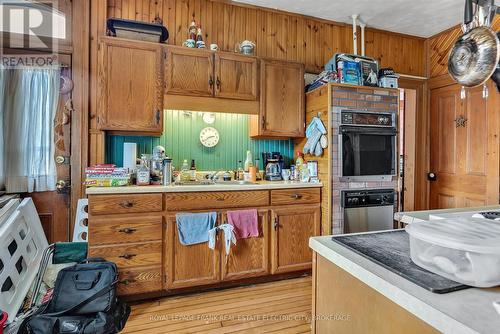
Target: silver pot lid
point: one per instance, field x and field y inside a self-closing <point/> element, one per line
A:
<point x="474" y="57"/>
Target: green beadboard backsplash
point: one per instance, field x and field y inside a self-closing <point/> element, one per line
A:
<point x="181" y="141"/>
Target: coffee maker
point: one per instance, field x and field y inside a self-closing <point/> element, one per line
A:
<point x="273" y="164"/>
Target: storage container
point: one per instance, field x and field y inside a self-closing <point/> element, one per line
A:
<point x="466" y="250"/>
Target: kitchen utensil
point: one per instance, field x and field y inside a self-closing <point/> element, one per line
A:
<point x="285" y="174"/>
<point x="475" y="55"/>
<point x="273" y="170"/>
<point x="167" y="172"/>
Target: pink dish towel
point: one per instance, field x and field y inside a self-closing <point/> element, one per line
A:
<point x="245" y="222"/>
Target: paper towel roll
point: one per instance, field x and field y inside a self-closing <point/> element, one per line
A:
<point x="129" y="156"/>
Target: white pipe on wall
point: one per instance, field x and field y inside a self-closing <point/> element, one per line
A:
<point x="363" y="26"/>
<point x="355" y="34"/>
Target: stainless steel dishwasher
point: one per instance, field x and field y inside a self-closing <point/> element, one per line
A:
<point x="368" y="210"/>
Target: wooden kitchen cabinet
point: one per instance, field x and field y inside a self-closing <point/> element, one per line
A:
<point x="198" y="73"/>
<point x="130" y="86"/>
<point x="192" y="265"/>
<point x="138" y="232"/>
<point x="249" y="257"/>
<point x="282" y="100"/>
<point x="236" y="76"/>
<point x="189" y="72"/>
<point x="291" y="229"/>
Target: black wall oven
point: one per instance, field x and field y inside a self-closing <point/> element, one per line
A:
<point x="368" y="146"/>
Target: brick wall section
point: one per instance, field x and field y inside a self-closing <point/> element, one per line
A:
<point x="364" y="99"/>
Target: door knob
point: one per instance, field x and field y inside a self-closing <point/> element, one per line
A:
<point x="62" y="186"/>
<point x="431" y="176"/>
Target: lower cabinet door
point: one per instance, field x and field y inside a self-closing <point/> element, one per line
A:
<point x="250" y="257"/>
<point x="192" y="265"/>
<point x="290" y="232"/>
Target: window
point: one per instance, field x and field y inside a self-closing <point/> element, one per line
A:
<point x="27" y="108"/>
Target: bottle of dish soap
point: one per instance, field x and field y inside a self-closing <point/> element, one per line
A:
<point x="299" y="166"/>
<point x="143" y="176"/>
<point x="248" y="161"/>
<point x="185" y="171"/>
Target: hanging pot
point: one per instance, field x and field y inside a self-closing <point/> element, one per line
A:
<point x="475" y="55"/>
<point x="496" y="76"/>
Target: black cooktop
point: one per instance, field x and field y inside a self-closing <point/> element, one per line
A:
<point x="392" y="250"/>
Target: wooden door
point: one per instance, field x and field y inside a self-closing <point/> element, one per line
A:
<point x="189" y="71"/>
<point x="250" y="257"/>
<point x="464" y="148"/>
<point x="282" y="99"/>
<point x="291" y="229"/>
<point x="236" y="76"/>
<point x="189" y="265"/>
<point x="130" y="92"/>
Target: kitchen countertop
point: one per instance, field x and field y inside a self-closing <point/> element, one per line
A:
<point x="262" y="185"/>
<point x="465" y="311"/>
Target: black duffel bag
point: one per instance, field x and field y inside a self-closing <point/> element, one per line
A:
<point x="84" y="301"/>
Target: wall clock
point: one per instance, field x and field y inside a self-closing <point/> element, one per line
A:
<point x="209" y="137"/>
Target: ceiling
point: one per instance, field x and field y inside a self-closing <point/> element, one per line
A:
<point x="422" y="18"/>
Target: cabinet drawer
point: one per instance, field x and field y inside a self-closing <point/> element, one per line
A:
<point x="295" y="196"/>
<point x="215" y="200"/>
<point x="130" y="255"/>
<point x="106" y="230"/>
<point x="130" y="203"/>
<point x="139" y="280"/>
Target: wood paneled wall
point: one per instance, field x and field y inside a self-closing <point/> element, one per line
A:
<point x="440" y="45"/>
<point x="277" y="34"/>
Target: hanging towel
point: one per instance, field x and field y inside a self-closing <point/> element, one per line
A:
<point x="245" y="222"/>
<point x="212" y="237"/>
<point x="229" y="236"/>
<point x="193" y="227"/>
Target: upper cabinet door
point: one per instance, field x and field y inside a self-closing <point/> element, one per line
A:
<point x="282" y="99"/>
<point x="130" y="90"/>
<point x="236" y="76"/>
<point x="189" y="71"/>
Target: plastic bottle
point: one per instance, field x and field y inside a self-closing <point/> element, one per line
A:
<point x="299" y="165"/>
<point x="143" y="171"/>
<point x="185" y="171"/>
<point x="239" y="171"/>
<point x="248" y="161"/>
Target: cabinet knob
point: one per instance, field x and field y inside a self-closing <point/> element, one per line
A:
<point x="297" y="196"/>
<point x="218" y="83"/>
<point x="127" y="204"/>
<point x="158" y="116"/>
<point x="127" y="281"/>
<point x="276" y="224"/>
<point x="211" y="81"/>
<point x="127" y="256"/>
<point x="127" y="230"/>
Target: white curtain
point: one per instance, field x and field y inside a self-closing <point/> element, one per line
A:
<point x="29" y="107"/>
